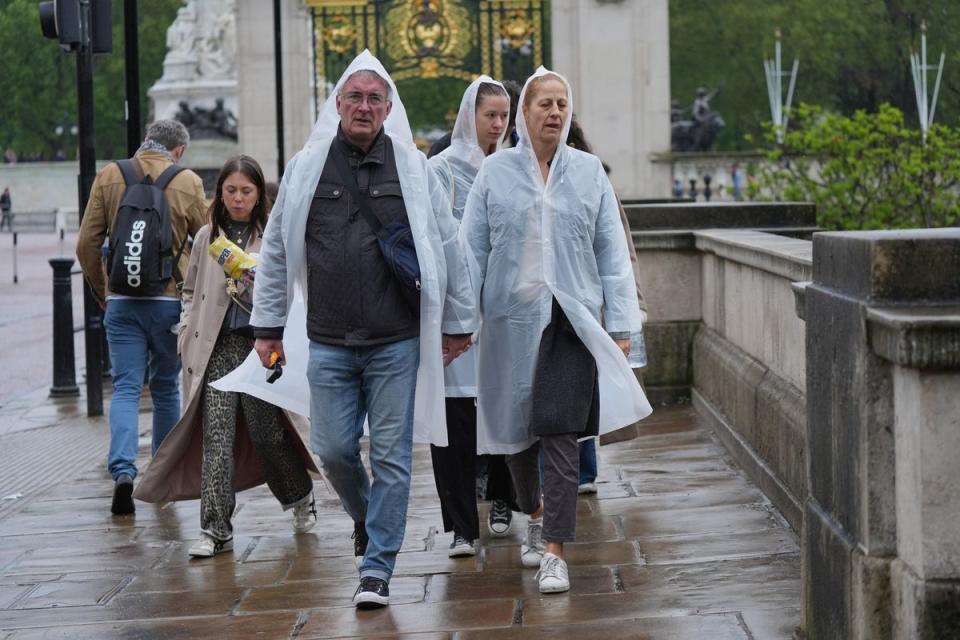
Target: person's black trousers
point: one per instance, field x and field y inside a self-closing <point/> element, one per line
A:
<point x="455" y="469"/>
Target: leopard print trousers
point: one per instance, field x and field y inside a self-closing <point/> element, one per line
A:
<point x="283" y="467"/>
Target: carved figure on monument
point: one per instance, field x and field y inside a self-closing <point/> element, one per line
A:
<point x="181" y="34"/>
<point x="184" y="115"/>
<point x="218" y="123"/>
<point x="700" y="133"/>
<point x="218" y="47"/>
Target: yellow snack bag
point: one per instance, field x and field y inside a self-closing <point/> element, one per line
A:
<point x="232" y="258"/>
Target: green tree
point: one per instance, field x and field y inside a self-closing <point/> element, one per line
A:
<point x="866" y="171"/>
<point x="39" y="80"/>
<point x="853" y="55"/>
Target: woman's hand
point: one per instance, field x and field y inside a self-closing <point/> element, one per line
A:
<point x="624" y="346"/>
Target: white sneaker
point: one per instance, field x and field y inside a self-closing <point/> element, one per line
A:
<point x="531" y="551"/>
<point x="587" y="487"/>
<point x="304" y="516"/>
<point x="553" y="574"/>
<point x="461" y="547"/>
<point x="208" y="546"/>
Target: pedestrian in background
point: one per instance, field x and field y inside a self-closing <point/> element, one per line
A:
<point x="6" y="204"/>
<point x="141" y="319"/>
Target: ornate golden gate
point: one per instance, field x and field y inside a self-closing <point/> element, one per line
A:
<point x="432" y="48"/>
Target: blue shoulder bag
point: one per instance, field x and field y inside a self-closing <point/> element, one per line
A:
<point x="395" y="239"/>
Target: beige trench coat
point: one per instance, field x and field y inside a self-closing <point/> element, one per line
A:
<point x="174" y="473"/>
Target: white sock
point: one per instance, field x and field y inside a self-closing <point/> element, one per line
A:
<point x="533" y="520"/>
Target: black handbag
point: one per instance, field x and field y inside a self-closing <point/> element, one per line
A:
<point x="395" y="239"/>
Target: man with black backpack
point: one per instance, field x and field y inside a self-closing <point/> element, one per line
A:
<point x="145" y="208"/>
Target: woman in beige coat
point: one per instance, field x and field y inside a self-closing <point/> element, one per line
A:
<point x="227" y="441"/>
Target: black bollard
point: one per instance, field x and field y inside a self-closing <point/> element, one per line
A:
<point x="16" y="278"/>
<point x="64" y="367"/>
<point x="707" y="192"/>
<point x="693" y="189"/>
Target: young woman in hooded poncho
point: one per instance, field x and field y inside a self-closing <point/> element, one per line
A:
<point x="480" y="125"/>
<point x="558" y="305"/>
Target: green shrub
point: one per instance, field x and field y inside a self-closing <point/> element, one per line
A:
<point x="866" y="171"/>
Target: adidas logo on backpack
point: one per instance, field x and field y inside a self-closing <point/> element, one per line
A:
<point x="140" y="259"/>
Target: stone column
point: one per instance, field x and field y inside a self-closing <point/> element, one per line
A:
<point x="882" y="524"/>
<point x="257" y="97"/>
<point x="621" y="84"/>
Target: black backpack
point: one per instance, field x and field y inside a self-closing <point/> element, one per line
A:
<point x="140" y="260"/>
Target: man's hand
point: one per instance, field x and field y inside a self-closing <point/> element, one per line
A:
<point x="453" y="347"/>
<point x="265" y="346"/>
<point x="624" y="346"/>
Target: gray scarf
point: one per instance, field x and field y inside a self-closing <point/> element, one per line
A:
<point x="152" y="145"/>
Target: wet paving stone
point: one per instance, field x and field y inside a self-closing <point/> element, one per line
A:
<point x="203" y="577"/>
<point x="676" y="544"/>
<point x="712" y="627"/>
<point x="516" y="583"/>
<point x="325" y="593"/>
<point x="724" y="546"/>
<point x="595" y="553"/>
<point x="733" y="585"/>
<point x="411" y="618"/>
<point x="274" y="626"/>
<point x="706" y="520"/>
<point x="71" y="593"/>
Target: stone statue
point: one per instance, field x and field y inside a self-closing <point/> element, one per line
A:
<point x="700" y="132"/>
<point x="218" y="47"/>
<point x="181" y="34"/>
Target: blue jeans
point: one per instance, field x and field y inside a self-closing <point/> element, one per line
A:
<point x="346" y="384"/>
<point x="138" y="334"/>
<point x="588" y="460"/>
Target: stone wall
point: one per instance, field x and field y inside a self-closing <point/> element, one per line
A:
<point x="671" y="267"/>
<point x="882" y="522"/>
<point x="749" y="361"/>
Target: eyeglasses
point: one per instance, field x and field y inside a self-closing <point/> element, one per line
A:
<point x="373" y="99"/>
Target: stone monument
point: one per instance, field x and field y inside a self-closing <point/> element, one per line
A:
<point x="199" y="81"/>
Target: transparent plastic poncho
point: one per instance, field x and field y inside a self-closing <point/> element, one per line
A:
<point x="447" y="300"/>
<point x="530" y="241"/>
<point x="456" y="167"/>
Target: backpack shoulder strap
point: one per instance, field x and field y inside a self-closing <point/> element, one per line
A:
<point x="131" y="171"/>
<point x="168" y="174"/>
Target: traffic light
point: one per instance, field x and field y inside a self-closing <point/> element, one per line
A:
<point x="61" y="20"/>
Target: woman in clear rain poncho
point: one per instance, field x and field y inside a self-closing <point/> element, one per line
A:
<point x="481" y="122"/>
<point x="550" y="261"/>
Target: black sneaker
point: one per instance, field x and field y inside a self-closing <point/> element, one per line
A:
<point x="372" y="593"/>
<point x="123" y="496"/>
<point x="360" y="541"/>
<point x="500" y="518"/>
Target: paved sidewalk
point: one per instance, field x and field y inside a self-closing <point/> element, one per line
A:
<point x="677" y="544"/>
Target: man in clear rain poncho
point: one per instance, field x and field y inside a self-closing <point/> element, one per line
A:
<point x="558" y="306"/>
<point x="374" y="352"/>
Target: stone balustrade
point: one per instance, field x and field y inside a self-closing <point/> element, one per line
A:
<point x="830" y="370"/>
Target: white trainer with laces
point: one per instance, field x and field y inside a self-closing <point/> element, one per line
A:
<point x="208" y="546"/>
<point x="531" y="550"/>
<point x="553" y="576"/>
<point x="304" y="516"/>
<point x="461" y="547"/>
